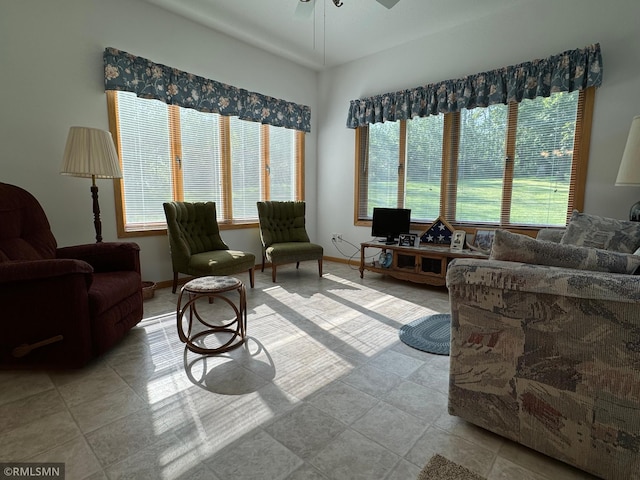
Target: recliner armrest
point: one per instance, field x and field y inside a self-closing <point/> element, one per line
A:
<point x="12" y="272"/>
<point x="105" y="257"/>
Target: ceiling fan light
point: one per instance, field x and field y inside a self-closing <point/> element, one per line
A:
<point x="388" y="3"/>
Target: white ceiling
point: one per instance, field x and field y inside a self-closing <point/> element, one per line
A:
<point x="320" y="35"/>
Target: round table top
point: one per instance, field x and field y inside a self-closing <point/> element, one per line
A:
<point x="212" y="284"/>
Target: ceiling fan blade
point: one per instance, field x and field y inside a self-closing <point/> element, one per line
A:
<point x="304" y="9"/>
<point x="388" y="3"/>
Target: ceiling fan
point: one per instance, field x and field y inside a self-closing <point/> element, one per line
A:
<point x="339" y="3"/>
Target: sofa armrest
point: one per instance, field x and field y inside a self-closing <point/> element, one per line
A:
<point x="542" y="279"/>
<point x="105" y="257"/>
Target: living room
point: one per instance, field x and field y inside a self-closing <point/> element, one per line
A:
<point x="35" y="44"/>
<point x="62" y="43"/>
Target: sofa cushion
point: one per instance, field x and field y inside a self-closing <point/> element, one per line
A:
<point x="551" y="234"/>
<point x="602" y="232"/>
<point x="514" y="247"/>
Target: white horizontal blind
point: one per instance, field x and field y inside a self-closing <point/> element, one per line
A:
<point x="544" y="154"/>
<point x="146" y="160"/>
<point x="245" y="168"/>
<point x="282" y="171"/>
<point x="172" y="153"/>
<point x="201" y="159"/>
<point x="423" y="167"/>
<point x="382" y="166"/>
<point x="481" y="159"/>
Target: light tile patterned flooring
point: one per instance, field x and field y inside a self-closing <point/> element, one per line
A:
<point x="323" y="389"/>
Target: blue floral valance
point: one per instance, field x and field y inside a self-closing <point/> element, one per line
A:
<point x="126" y="72"/>
<point x="565" y="72"/>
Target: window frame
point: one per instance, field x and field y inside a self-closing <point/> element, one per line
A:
<point x="582" y="140"/>
<point x="227" y="222"/>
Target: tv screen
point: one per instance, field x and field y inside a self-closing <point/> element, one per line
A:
<point x="390" y="223"/>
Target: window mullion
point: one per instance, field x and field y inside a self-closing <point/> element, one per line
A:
<point x="582" y="140"/>
<point x="114" y="127"/>
<point x="449" y="179"/>
<point x="402" y="155"/>
<point x="510" y="155"/>
<point x="361" y="174"/>
<point x="265" y="166"/>
<point x="175" y="140"/>
<point x="299" y="165"/>
<point x="225" y="161"/>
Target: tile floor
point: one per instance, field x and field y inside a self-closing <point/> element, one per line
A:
<point x="323" y="389"/>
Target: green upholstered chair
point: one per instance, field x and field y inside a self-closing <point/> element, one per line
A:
<point x="284" y="237"/>
<point x="196" y="246"/>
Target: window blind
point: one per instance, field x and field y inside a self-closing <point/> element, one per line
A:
<point x="146" y="160"/>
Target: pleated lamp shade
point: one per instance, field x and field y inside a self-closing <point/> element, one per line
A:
<point x="90" y="152"/>
<point x="629" y="172"/>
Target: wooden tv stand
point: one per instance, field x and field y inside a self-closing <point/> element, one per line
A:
<point x="423" y="264"/>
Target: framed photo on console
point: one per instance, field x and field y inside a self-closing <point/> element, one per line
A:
<point x="407" y="240"/>
<point x="457" y="239"/>
<point x="483" y="240"/>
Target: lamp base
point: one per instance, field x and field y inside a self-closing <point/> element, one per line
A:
<point x="634" y="212"/>
<point x="96" y="212"/>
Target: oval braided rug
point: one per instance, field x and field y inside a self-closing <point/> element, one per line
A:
<point x="430" y="334"/>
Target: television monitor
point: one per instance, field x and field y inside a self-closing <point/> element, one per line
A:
<point x="390" y="223"/>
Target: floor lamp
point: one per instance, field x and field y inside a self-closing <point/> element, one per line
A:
<point x="90" y="152"/>
<point x="629" y="172"/>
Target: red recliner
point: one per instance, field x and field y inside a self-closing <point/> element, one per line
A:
<point x="60" y="307"/>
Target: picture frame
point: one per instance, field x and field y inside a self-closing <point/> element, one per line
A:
<point x="457" y="239"/>
<point x="407" y="240"/>
<point x="483" y="240"/>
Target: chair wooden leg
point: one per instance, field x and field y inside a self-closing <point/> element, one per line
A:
<point x="175" y="282"/>
<point x="273" y="272"/>
<point x="262" y="262"/>
<point x="251" y="277"/>
<point x="297" y="264"/>
<point x="320" y="266"/>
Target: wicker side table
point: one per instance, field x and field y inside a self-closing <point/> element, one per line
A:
<point x="212" y="287"/>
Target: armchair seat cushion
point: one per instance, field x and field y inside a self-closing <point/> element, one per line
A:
<point x="289" y="252"/>
<point x="220" y="262"/>
<point x="110" y="288"/>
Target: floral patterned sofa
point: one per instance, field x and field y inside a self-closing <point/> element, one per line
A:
<point x="545" y="344"/>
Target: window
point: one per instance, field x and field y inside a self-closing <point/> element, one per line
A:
<point x="519" y="165"/>
<point x="173" y="153"/>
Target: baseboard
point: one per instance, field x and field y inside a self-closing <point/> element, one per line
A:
<point x="183" y="280"/>
<point x="346" y="261"/>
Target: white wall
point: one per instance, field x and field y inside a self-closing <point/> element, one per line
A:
<point x="523" y="32"/>
<point x="52" y="78"/>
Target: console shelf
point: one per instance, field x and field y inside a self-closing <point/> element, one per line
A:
<point x="423" y="264"/>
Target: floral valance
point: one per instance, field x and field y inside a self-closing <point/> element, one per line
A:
<point x="126" y="72"/>
<point x="565" y="72"/>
